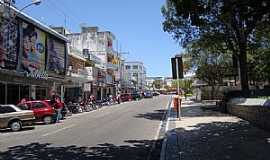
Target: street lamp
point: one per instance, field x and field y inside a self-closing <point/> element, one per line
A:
<point x="34" y="2"/>
<point x="13" y="17"/>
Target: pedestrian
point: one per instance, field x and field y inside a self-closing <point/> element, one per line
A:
<point x="118" y="98"/>
<point x="23" y="101"/>
<point x="58" y="107"/>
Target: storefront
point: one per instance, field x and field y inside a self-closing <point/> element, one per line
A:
<point x="32" y="60"/>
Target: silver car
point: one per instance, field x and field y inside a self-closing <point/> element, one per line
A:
<point x="14" y="118"/>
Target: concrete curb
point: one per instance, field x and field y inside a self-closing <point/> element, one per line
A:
<point x="164" y="143"/>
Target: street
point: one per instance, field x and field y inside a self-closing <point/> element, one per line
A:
<point x="126" y="131"/>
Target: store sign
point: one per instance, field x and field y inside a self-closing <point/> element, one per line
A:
<point x="87" y="87"/>
<point x="37" y="74"/>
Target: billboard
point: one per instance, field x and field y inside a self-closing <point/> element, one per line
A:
<point x="56" y="57"/>
<point x="33" y="54"/>
<point x="9" y="39"/>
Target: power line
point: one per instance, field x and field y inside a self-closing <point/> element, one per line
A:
<point x="60" y="10"/>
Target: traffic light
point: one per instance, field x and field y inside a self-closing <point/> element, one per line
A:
<point x="177" y="62"/>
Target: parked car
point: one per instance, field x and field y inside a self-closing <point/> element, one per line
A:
<point x="126" y="97"/>
<point x="156" y="93"/>
<point x="14" y="118"/>
<point x="65" y="111"/>
<point x="148" y="94"/>
<point x="42" y="110"/>
<point x="136" y="96"/>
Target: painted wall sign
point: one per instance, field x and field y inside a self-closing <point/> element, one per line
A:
<point x="33" y="55"/>
<point x="8" y="44"/>
<point x="37" y="74"/>
<point x="56" y="57"/>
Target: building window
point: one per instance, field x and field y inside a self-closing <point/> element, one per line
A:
<point x="135" y="67"/>
<point x="127" y="67"/>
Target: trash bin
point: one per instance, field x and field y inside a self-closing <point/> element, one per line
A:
<point x="175" y="103"/>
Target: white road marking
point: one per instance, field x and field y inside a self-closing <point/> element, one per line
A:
<point x="161" y="122"/>
<point x="56" y="131"/>
<point x="158" y="131"/>
<point x="164" y="143"/>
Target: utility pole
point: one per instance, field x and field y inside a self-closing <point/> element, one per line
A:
<point x="178" y="90"/>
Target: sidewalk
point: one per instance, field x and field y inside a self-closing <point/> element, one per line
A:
<point x="206" y="134"/>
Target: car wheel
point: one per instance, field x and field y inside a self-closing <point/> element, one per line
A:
<point x="15" y="126"/>
<point x="47" y="119"/>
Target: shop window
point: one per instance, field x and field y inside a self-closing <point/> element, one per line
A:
<point x="13" y="93"/>
<point x="24" y="92"/>
<point x="2" y="93"/>
<point x="135" y="67"/>
<point x="41" y="93"/>
<point x="127" y="67"/>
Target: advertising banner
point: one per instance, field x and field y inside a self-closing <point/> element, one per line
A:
<point x="33" y="55"/>
<point x="8" y="44"/>
<point x="56" y="57"/>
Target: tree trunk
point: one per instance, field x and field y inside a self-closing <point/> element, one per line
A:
<point x="243" y="69"/>
<point x="212" y="92"/>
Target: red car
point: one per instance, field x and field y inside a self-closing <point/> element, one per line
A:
<point x="126" y="97"/>
<point x="42" y="110"/>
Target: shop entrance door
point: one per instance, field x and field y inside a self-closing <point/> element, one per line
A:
<point x="13" y="93"/>
<point x="2" y="93"/>
<point x="41" y="93"/>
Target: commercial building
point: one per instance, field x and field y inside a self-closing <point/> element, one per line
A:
<point x="33" y="59"/>
<point x="100" y="44"/>
<point x="136" y="73"/>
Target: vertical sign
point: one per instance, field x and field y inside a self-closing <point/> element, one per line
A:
<point x="177" y="63"/>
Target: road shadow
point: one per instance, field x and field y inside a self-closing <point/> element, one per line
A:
<point x="157" y="115"/>
<point x="223" y="141"/>
<point x="133" y="150"/>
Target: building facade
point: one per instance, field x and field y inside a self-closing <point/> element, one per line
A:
<point x="100" y="44"/>
<point x="33" y="59"/>
<point x="136" y="73"/>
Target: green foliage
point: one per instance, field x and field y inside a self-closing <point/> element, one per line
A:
<point x="185" y="85"/>
<point x="157" y="84"/>
<point x="228" y="23"/>
<point x="259" y="56"/>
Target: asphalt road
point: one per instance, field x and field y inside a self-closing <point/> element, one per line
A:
<point x="126" y="131"/>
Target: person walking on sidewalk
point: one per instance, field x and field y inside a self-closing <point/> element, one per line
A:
<point x="58" y="107"/>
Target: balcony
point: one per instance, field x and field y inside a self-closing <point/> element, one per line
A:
<point x="83" y="75"/>
<point x="111" y="66"/>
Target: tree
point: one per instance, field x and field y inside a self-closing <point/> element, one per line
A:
<point x="259" y="55"/>
<point x="157" y="84"/>
<point x="233" y="20"/>
<point x="213" y="62"/>
<point x="184" y="84"/>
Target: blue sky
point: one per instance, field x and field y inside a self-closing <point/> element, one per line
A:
<point x="137" y="25"/>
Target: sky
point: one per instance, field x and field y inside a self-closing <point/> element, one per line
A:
<point x="136" y="24"/>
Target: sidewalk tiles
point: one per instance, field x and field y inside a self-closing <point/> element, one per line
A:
<point x="206" y="134"/>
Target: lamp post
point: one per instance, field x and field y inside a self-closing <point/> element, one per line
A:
<point x="8" y="5"/>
